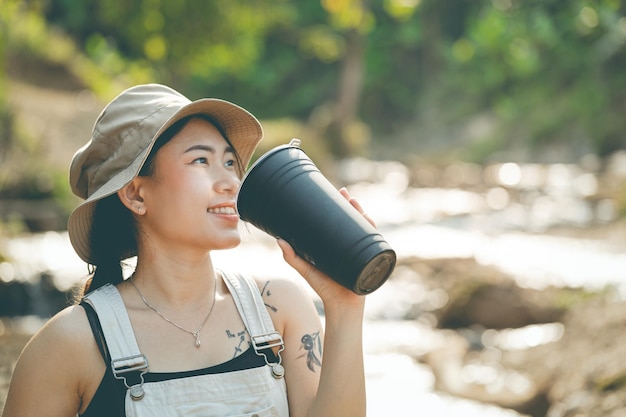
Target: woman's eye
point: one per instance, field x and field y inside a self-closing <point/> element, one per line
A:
<point x="201" y="160"/>
<point x="230" y="163"/>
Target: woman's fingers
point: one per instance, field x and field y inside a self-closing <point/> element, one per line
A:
<point x="323" y="285"/>
<point x="326" y="288"/>
<point x="304" y="268"/>
<point x="354" y="202"/>
<point x="297" y="263"/>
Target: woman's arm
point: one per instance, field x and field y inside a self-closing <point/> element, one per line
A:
<point x="55" y="369"/>
<point x="324" y="372"/>
<point x="336" y="385"/>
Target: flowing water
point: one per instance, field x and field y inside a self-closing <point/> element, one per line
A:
<point x="489" y="225"/>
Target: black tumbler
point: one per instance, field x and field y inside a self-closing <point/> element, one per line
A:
<point x="285" y="195"/>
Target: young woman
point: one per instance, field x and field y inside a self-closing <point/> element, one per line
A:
<point x="178" y="337"/>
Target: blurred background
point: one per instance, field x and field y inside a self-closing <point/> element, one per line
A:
<point x="487" y="138"/>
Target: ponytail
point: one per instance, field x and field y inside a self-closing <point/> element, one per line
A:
<point x="113" y="239"/>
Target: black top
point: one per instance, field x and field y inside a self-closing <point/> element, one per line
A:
<point x="108" y="400"/>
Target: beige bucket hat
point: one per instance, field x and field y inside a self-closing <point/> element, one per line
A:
<point x="123" y="136"/>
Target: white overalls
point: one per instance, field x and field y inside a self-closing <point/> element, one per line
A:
<point x="257" y="392"/>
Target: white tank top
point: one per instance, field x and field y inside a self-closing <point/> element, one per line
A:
<point x="256" y="392"/>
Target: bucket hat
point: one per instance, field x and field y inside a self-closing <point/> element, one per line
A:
<point x="123" y="136"/>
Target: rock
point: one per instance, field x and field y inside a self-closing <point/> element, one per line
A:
<point x="460" y="373"/>
<point x="479" y="295"/>
<point x="11" y="344"/>
<point x="497" y="306"/>
<point x="584" y="373"/>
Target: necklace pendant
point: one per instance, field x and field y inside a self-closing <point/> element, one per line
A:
<point x="195" y="334"/>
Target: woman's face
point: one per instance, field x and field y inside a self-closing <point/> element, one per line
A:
<point x="190" y="199"/>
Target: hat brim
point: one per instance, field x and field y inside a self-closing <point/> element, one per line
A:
<point x="242" y="129"/>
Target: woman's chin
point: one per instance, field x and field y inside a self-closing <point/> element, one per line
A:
<point x="229" y="243"/>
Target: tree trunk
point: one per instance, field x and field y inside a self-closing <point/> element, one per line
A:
<point x="349" y="93"/>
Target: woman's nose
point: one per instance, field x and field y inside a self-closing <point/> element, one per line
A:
<point x="228" y="182"/>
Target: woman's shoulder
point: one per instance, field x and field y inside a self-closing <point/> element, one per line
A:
<point x="60" y="361"/>
<point x="64" y="340"/>
<point x="68" y="329"/>
<point x="72" y="319"/>
<point x="286" y="288"/>
<point x="288" y="299"/>
<point x="274" y="285"/>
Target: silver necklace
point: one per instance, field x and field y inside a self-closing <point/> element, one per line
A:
<point x="195" y="334"/>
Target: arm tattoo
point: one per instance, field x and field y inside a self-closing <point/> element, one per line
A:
<point x="312" y="344"/>
<point x="265" y="292"/>
<point x="242" y="341"/>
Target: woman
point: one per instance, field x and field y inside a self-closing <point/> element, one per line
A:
<point x="178" y="337"/>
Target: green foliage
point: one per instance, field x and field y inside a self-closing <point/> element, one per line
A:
<point x="5" y="116"/>
<point x="179" y="40"/>
<point x="546" y="68"/>
<point x="546" y="71"/>
<point x="394" y="65"/>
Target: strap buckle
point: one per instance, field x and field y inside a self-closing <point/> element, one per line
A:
<point x="136" y="363"/>
<point x="267" y="341"/>
<point x="129" y="364"/>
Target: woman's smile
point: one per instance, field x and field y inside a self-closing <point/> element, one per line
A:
<point x="226" y="212"/>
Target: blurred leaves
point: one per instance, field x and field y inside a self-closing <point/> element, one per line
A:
<point x="547" y="69"/>
<point x="406" y="70"/>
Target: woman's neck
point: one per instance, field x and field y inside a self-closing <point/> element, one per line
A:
<point x="176" y="281"/>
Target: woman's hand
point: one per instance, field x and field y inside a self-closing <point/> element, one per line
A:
<point x="328" y="290"/>
<point x="341" y="390"/>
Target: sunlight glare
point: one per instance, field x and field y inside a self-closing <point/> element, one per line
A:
<point x="509" y="174"/>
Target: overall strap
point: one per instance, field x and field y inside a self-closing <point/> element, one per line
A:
<point x="254" y="314"/>
<point x="126" y="359"/>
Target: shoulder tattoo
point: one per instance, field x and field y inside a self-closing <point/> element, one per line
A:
<point x="266" y="293"/>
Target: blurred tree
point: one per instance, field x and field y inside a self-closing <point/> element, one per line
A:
<point x="5" y="116"/>
<point x="185" y="43"/>
<point x="543" y="71"/>
<point x="236" y="49"/>
<point x="354" y="19"/>
<point x="549" y="71"/>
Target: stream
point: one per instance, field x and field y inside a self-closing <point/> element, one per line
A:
<point x="501" y="224"/>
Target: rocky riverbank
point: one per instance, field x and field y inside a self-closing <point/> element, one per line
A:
<point x="11" y="344"/>
<point x="554" y="352"/>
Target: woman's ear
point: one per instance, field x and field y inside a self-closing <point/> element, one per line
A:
<point x="130" y="196"/>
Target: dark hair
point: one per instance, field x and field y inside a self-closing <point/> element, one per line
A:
<point x="114" y="229"/>
<point x="113" y="238"/>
